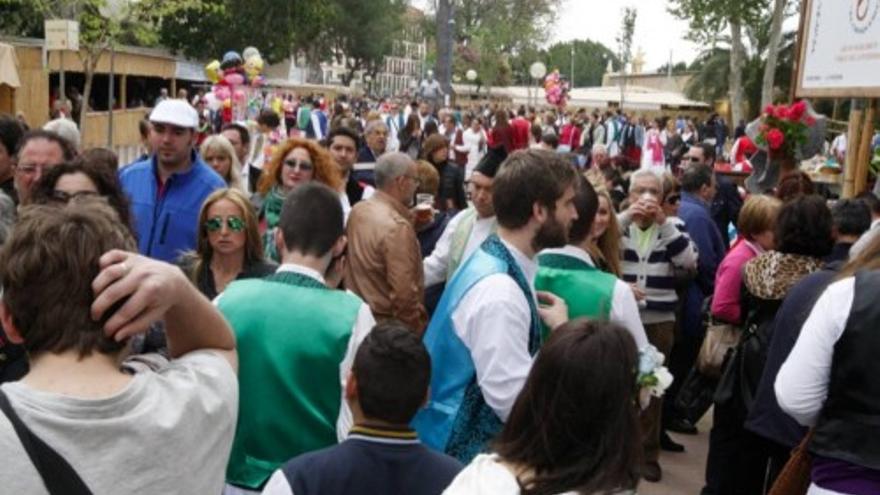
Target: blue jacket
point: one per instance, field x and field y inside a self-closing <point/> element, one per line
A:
<point x="711" y="249"/>
<point x="167" y="226"/>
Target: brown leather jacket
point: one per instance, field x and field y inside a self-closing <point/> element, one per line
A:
<point x="384" y="261"/>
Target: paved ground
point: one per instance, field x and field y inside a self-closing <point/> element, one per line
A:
<point x="683" y="474"/>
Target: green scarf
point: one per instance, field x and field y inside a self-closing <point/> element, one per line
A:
<point x="271" y="211"/>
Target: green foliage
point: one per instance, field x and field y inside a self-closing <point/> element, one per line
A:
<point x="625" y="37"/>
<point x="590" y="60"/>
<point x="708" y="20"/>
<point x="364" y="30"/>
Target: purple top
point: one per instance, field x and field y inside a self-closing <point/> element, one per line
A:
<point x="728" y="281"/>
<point x="845" y="477"/>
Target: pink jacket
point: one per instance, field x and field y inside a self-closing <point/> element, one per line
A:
<point x="728" y="282"/>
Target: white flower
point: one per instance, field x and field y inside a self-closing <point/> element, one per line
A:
<point x="649" y="360"/>
<point x="664" y="380"/>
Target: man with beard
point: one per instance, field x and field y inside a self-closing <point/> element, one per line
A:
<point x="487" y="327"/>
<point x="654" y="249"/>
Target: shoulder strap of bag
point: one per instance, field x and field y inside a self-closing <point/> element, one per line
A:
<point x="58" y="476"/>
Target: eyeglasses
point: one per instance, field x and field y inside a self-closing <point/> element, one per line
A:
<point x="30" y="169"/>
<point x="215" y="224"/>
<point x="65" y="197"/>
<point x="303" y="165"/>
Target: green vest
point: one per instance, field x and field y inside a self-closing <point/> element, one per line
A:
<point x="292" y="333"/>
<point x="587" y="291"/>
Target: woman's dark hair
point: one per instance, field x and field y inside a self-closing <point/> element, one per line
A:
<point x="412" y="123"/>
<point x="575" y="423"/>
<point x="101" y="157"/>
<point x="793" y="185"/>
<point x="105" y="180"/>
<point x="430" y="129"/>
<point x="804" y="227"/>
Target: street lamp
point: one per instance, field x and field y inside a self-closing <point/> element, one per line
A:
<point x="114" y="12"/>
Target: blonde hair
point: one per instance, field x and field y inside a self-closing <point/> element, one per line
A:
<point x="216" y="143"/>
<point x="429" y="178"/>
<point x="253" y="247"/>
<point x="757" y="215"/>
<point x="607" y="247"/>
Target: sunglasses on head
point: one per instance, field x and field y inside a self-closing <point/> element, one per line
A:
<point x="65" y="197"/>
<point x="303" y="165"/>
<point x="215" y="224"/>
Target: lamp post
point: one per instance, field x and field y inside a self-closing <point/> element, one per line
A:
<point x="114" y="12"/>
<point x="571" y="77"/>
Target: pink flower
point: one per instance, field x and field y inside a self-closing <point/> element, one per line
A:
<point x="775" y="139"/>
<point x="769" y="110"/>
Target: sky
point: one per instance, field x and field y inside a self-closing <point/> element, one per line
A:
<point x="656" y="33"/>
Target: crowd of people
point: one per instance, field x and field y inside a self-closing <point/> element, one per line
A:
<point x="386" y="297"/>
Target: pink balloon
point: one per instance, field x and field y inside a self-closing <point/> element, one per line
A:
<point x="234" y="79"/>
<point x="222" y="92"/>
<point x="238" y="96"/>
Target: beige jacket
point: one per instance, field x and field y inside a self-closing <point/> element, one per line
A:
<point x="384" y="261"/>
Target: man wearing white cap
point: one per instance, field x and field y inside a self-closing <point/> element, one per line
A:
<point x="167" y="189"/>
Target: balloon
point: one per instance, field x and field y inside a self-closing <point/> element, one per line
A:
<point x="230" y="59"/>
<point x="258" y="81"/>
<point x="250" y="52"/>
<point x="276" y="105"/>
<point x="212" y="71"/>
<point x="234" y="79"/>
<point x="238" y="96"/>
<point x="212" y="101"/>
<point x="253" y="66"/>
<point x="222" y="92"/>
<point x="227" y="103"/>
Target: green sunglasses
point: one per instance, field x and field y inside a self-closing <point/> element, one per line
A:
<point x="215" y="224"/>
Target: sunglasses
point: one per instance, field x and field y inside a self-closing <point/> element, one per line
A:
<point x="215" y="224"/>
<point x="303" y="165"/>
<point x="65" y="197"/>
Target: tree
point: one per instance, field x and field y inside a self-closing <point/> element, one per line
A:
<point x="590" y="60"/>
<point x="710" y="21"/>
<point x="362" y="33"/>
<point x="772" y="52"/>
<point x="624" y="45"/>
<point x="494" y="33"/>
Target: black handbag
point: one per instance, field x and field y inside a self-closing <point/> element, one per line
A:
<point x="58" y="476"/>
<point x="695" y="396"/>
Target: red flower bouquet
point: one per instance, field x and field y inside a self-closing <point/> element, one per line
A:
<point x="783" y="128"/>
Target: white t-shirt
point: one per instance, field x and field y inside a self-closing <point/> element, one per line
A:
<point x="168" y="431"/>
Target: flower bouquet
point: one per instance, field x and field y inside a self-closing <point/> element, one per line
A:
<point x="783" y="129"/>
<point x="653" y="378"/>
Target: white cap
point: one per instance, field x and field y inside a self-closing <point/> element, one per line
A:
<point x="175" y="112"/>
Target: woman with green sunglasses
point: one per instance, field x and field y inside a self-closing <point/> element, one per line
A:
<point x="229" y="245"/>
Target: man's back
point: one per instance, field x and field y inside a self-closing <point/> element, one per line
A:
<point x="294" y="334"/>
<point x="521" y="130"/>
<point x="369" y="462"/>
<point x="384" y="260"/>
<point x="182" y="414"/>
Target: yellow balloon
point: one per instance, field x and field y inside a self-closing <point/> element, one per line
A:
<point x="276" y="105"/>
<point x="212" y="71"/>
<point x="254" y="66"/>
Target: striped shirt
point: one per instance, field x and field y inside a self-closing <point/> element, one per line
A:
<point x="653" y="269"/>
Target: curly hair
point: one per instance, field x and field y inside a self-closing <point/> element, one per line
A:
<point x="326" y="170"/>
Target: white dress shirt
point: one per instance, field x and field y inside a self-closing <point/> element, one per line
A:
<point x="472" y="144"/>
<point x="436" y="265"/>
<point x="624" y="308"/>
<point x="493" y="320"/>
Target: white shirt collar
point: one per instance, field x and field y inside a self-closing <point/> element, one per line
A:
<point x="302" y="270"/>
<point x="528" y="266"/>
<point x="573" y="251"/>
<point x="875" y="223"/>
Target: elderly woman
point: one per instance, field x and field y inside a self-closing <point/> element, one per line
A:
<point x="295" y="162"/>
<point x="755" y="224"/>
<point x="218" y="152"/>
<point x="228" y="247"/>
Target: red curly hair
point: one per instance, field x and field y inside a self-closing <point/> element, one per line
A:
<point x="326" y="170"/>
